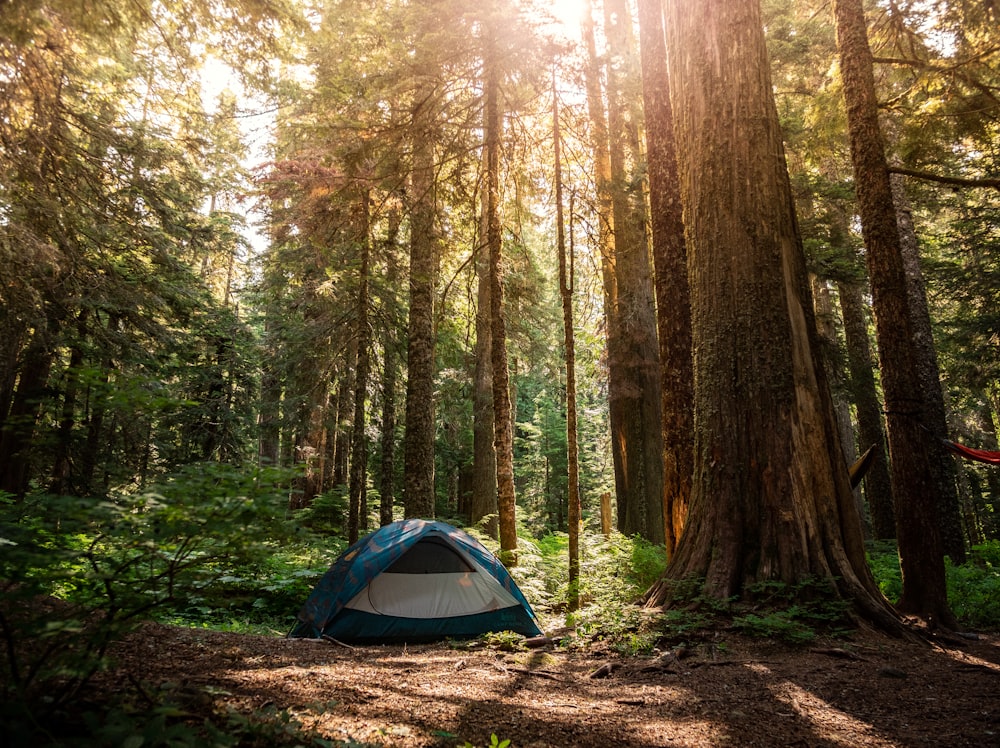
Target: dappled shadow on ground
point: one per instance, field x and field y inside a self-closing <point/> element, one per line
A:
<point x="869" y="690"/>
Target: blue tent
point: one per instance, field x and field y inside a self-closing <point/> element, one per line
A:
<point x="413" y="581"/>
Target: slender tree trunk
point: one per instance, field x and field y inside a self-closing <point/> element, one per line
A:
<point x="502" y="411"/>
<point x="61" y="482"/>
<point x="917" y="532"/>
<point x="328" y="444"/>
<point x="343" y="413"/>
<point x="98" y="405"/>
<point x="389" y="371"/>
<point x="935" y="416"/>
<point x="11" y="343"/>
<point x="566" y="282"/>
<point x="269" y="420"/>
<point x="673" y="307"/>
<point x="289" y="432"/>
<point x="357" y="524"/>
<point x="770" y="497"/>
<point x="878" y="487"/>
<point x="484" y="456"/>
<point x="418" y="439"/>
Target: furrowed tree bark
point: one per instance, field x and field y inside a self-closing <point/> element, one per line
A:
<point x="917" y="532"/>
<point x="770" y="498"/>
<point x="673" y="307"/>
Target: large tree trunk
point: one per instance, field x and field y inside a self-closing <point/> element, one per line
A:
<point x="636" y="363"/>
<point x="770" y="497"/>
<point x="418" y="440"/>
<point x="673" y="307"/>
<point x="878" y="487"/>
<point x="910" y="444"/>
<point x="503" y="414"/>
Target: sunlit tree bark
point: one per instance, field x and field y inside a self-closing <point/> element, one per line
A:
<point x="634" y="363"/>
<point x="673" y="309"/>
<point x="770" y="496"/>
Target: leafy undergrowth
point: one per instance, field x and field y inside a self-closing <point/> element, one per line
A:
<point x="973" y="587"/>
<point x="214" y="549"/>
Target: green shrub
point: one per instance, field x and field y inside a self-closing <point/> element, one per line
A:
<point x="327" y="513"/>
<point x="884" y="562"/>
<point x="986" y="554"/>
<point x="614" y="572"/>
<point x="783" y="625"/>
<point x="974" y="588"/>
<point x="76" y="573"/>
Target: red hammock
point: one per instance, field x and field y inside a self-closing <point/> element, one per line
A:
<point x="980" y="455"/>
<point x="860" y="468"/>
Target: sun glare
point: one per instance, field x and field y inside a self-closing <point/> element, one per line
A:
<point x="565" y="14"/>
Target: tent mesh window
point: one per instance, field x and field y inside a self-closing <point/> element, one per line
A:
<point x="430" y="556"/>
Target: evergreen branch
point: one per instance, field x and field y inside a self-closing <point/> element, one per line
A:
<point x="942" y="179"/>
<point x="953" y="70"/>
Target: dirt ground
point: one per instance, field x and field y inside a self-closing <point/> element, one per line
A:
<point x="868" y="690"/>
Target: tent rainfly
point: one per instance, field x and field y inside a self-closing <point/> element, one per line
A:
<point x="413" y="581"/>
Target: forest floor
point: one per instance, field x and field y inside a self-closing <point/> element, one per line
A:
<point x="864" y="690"/>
